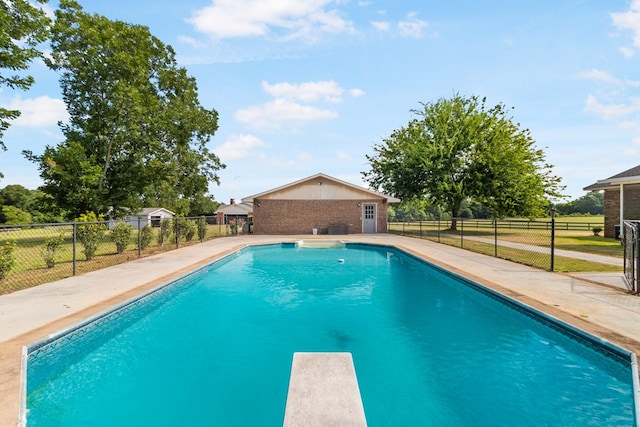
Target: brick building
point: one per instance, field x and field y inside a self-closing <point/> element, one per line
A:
<point x="319" y="204"/>
<point x="621" y="199"/>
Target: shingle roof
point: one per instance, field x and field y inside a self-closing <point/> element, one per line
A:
<point x="236" y="209"/>
<point x="633" y="172"/>
<point x="629" y="176"/>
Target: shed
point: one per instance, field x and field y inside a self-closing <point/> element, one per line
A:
<point x="319" y="204"/>
<point x="621" y="199"/>
<point x="147" y="216"/>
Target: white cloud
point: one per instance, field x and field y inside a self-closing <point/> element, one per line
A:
<point x="629" y="20"/>
<point x="381" y="25"/>
<point x="508" y="41"/>
<point x="611" y="111"/>
<point x="304" y="156"/>
<point x="411" y="26"/>
<point x="605" y="77"/>
<point x="342" y="155"/>
<point x="191" y="42"/>
<point x="252" y="18"/>
<point x="238" y="147"/>
<point x="38" y="112"/>
<point x="627" y="52"/>
<point x="599" y="75"/>
<point x="291" y="103"/>
<point x="329" y="91"/>
<point x="272" y="114"/>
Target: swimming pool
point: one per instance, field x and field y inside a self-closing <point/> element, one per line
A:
<point x="215" y="348"/>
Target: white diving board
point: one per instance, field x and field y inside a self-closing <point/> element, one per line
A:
<point x="323" y="391"/>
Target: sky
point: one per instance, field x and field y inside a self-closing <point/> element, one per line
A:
<point x="310" y="86"/>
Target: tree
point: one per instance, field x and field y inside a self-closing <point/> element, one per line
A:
<point x="16" y="195"/>
<point x="38" y="204"/>
<point x="459" y="149"/>
<point x="135" y="125"/>
<point x="24" y="26"/>
<point x="14" y="215"/>
<point x="591" y="203"/>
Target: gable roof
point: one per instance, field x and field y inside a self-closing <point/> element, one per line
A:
<point x="151" y="211"/>
<point x="630" y="176"/>
<point x="295" y="190"/>
<point x="236" y="209"/>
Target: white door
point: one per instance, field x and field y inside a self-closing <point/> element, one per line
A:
<point x="369" y="218"/>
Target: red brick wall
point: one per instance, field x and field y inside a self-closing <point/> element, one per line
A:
<point x="612" y="207"/>
<point x="300" y="216"/>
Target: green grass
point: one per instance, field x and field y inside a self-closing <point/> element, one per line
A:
<point x="30" y="268"/>
<point x="580" y="240"/>
<point x="591" y="244"/>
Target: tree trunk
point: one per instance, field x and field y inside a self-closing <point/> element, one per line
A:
<point x="455" y="211"/>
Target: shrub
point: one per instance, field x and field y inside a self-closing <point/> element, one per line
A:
<point x="165" y="231"/>
<point x="191" y="229"/>
<point x="202" y="228"/>
<point x="7" y="257"/>
<point x="146" y="234"/>
<point x="89" y="235"/>
<point x="121" y="235"/>
<point x="596" y="230"/>
<point x="180" y="228"/>
<point x="51" y="246"/>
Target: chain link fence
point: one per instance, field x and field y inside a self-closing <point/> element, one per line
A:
<point x="33" y="254"/>
<point x="522" y="241"/>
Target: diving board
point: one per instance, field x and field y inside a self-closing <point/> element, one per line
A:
<point x="323" y="391"/>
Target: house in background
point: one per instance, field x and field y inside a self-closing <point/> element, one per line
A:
<point x="147" y="216"/>
<point x="234" y="212"/>
<point x="621" y="199"/>
<point x="319" y="204"/>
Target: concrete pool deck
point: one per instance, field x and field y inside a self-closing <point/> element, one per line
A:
<point x="594" y="302"/>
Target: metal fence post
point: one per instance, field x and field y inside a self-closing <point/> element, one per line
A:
<point x="75" y="232"/>
<point x="176" y="232"/>
<point x="139" y="239"/>
<point x="495" y="237"/>
<point x="461" y="232"/>
<point x="553" y="237"/>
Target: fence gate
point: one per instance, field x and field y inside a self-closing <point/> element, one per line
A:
<point x="631" y="241"/>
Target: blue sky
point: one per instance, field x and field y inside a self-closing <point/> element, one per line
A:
<point x="308" y="86"/>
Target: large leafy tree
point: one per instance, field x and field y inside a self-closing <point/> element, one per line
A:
<point x="136" y="124"/>
<point x="23" y="28"/>
<point x="590" y="203"/>
<point x="34" y="202"/>
<point x="459" y="149"/>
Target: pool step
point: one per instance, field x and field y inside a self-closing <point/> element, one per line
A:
<point x="311" y="243"/>
<point x="323" y="391"/>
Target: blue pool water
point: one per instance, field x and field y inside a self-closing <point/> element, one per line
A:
<point x="215" y="349"/>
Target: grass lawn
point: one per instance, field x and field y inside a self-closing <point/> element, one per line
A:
<point x="572" y="234"/>
<point x="30" y="269"/>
